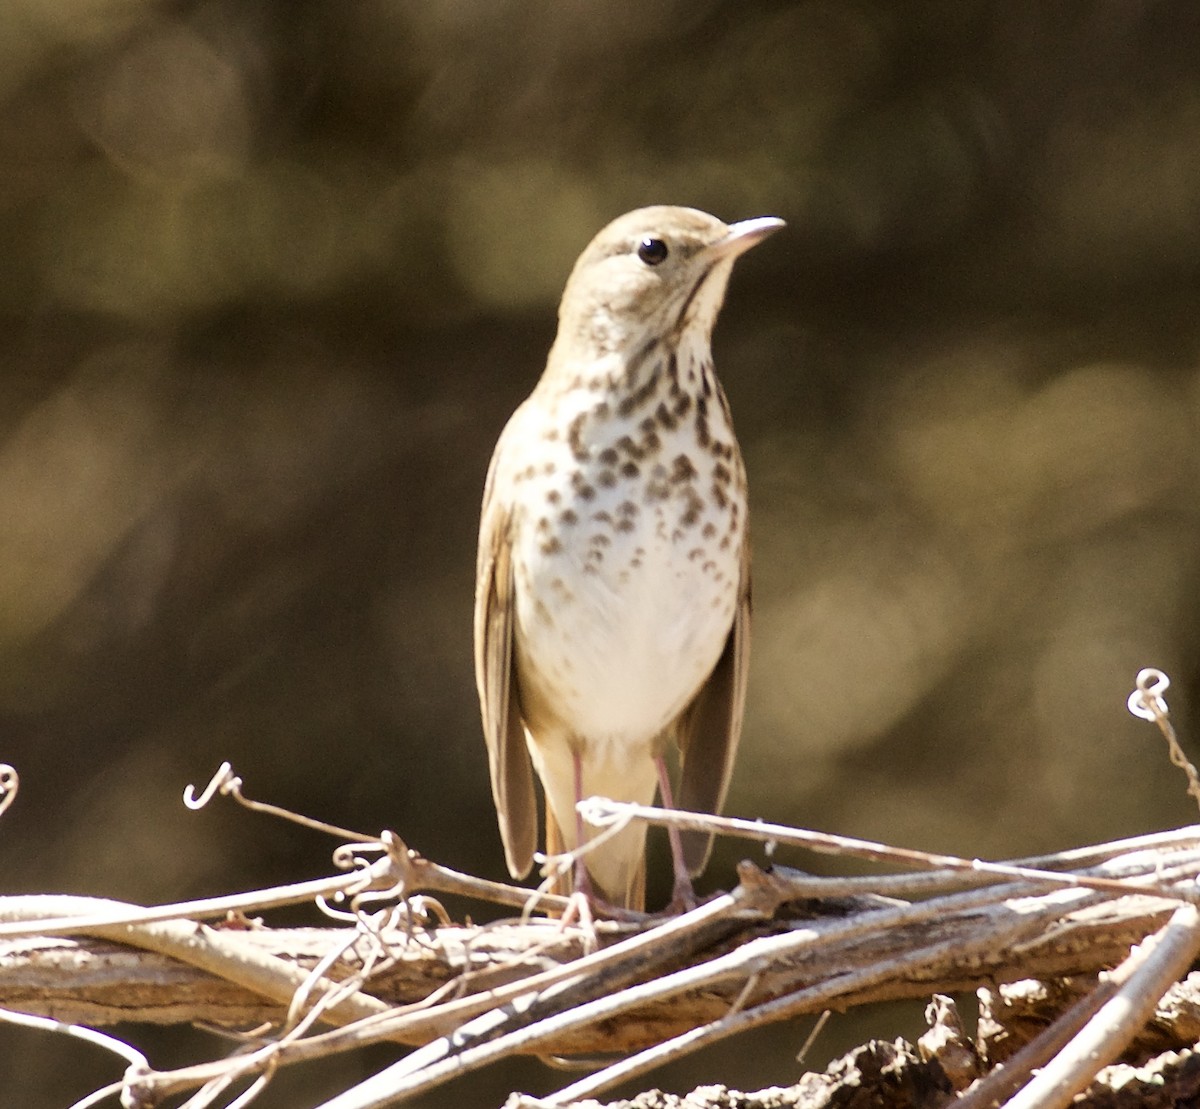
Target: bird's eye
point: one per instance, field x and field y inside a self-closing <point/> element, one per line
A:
<point x="652" y="251"/>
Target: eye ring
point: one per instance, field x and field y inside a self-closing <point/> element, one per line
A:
<point x="652" y="251"/>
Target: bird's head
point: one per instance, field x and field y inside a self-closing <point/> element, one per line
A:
<point x="653" y="273"/>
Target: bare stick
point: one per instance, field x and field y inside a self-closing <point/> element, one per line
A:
<point x="1147" y="975"/>
<point x="600" y="810"/>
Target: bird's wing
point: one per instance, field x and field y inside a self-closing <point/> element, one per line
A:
<point x="495" y="678"/>
<point x="709" y="728"/>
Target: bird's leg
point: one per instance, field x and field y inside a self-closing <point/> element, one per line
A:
<point x="683" y="894"/>
<point x="583" y="880"/>
<point x="579" y="904"/>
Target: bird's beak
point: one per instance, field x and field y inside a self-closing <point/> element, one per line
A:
<point x="742" y="236"/>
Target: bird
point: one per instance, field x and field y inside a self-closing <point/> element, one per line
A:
<point x="612" y="601"/>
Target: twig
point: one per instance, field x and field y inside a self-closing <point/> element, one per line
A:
<point x="631" y="956"/>
<point x="10" y="782"/>
<point x="218" y="953"/>
<point x="1034" y="910"/>
<point x="1144" y="977"/>
<point x="130" y="1054"/>
<point x="599" y="810"/>
<point x="135" y="1060"/>
<point x="1148" y="703"/>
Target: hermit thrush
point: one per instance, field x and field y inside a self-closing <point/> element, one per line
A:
<point x="612" y="605"/>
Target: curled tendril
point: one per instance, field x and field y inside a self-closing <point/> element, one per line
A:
<point x="224" y="781"/>
<point x="10" y="782"/>
<point x="228" y="784"/>
<point x="1147" y="703"/>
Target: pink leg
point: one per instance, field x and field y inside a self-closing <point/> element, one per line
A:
<point x="583" y="880"/>
<point x="579" y="908"/>
<point x="585" y="898"/>
<point x="683" y="895"/>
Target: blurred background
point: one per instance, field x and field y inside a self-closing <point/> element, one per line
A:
<point x="274" y="274"/>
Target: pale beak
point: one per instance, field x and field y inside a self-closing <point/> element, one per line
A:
<point x="742" y="236"/>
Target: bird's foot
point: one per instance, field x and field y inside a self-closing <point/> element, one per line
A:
<point x="579" y="913"/>
<point x="683" y="895"/>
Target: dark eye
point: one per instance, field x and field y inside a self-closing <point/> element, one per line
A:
<point x="652" y="251"/>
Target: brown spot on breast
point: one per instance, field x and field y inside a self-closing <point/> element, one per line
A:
<point x="575" y="438"/>
<point x="657" y="489"/>
<point x="606" y="479"/>
<point x="651" y="443"/>
<point x="682" y="403"/>
<point x="695" y="506"/>
<point x="724" y="402"/>
<point x="551" y="546"/>
<point x="709" y="531"/>
<point x="627" y="508"/>
<point x="695" y="554"/>
<point x="718" y="496"/>
<point x="608" y="456"/>
<point x="634" y="400"/>
<point x="625" y="524"/>
<point x="554" y="496"/>
<point x="626" y="444"/>
<point x="665" y="417"/>
<point x="543" y="524"/>
<point x="682" y="470"/>
<point x="600" y="540"/>
<point x="568" y="517"/>
<point x="721" y="473"/>
<point x="629" y="469"/>
<point x="602" y="517"/>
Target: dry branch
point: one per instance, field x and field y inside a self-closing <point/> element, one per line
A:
<point x="944" y="944"/>
<point x="780" y="945"/>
